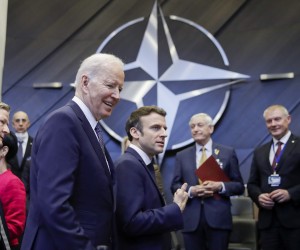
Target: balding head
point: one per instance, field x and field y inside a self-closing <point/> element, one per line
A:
<point x="20" y="122"/>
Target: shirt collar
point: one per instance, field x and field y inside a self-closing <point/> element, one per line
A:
<point x="88" y="114"/>
<point x="208" y="146"/>
<point x="141" y="153"/>
<point x="283" y="139"/>
<point x="22" y="136"/>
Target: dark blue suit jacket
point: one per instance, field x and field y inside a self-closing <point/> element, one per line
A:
<point x="288" y="213"/>
<point x="143" y="219"/>
<point x="19" y="167"/>
<point x="217" y="211"/>
<point x="71" y="204"/>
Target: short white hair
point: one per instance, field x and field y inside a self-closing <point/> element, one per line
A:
<point x="97" y="65"/>
<point x="276" y="106"/>
<point x="205" y="116"/>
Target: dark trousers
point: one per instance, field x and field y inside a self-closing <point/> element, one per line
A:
<point x="279" y="238"/>
<point x="206" y="238"/>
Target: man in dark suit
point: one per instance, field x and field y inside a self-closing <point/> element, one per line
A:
<point x="72" y="202"/>
<point x="144" y="220"/>
<point x="20" y="163"/>
<point x="207" y="217"/>
<point x="274" y="183"/>
<point x="21" y="123"/>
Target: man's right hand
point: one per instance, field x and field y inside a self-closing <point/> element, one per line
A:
<point x="181" y="197"/>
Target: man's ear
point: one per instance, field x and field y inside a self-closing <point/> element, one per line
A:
<point x="135" y="133"/>
<point x="211" y="129"/>
<point x="84" y="82"/>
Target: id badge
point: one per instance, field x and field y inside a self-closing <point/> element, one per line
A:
<point x="274" y="180"/>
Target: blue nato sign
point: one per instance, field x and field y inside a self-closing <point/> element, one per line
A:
<point x="159" y="72"/>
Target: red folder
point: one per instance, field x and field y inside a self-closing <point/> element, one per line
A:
<point x="211" y="171"/>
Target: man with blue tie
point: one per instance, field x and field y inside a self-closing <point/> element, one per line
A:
<point x="207" y="216"/>
<point x="72" y="176"/>
<point x="20" y="164"/>
<point x="274" y="183"/>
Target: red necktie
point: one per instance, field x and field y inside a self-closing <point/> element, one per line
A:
<point x="277" y="153"/>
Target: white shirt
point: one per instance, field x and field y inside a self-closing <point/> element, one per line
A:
<point x="274" y="146"/>
<point x="87" y="113"/>
<point x="208" y="151"/>
<point x="91" y="119"/>
<point x="141" y="153"/>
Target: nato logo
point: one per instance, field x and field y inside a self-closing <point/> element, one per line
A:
<point x="171" y="70"/>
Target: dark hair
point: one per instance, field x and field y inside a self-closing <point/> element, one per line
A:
<point x="134" y="118"/>
<point x="11" y="141"/>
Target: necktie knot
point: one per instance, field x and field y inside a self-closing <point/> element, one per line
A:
<point x="203" y="156"/>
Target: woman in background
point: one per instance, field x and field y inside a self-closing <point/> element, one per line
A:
<point x="12" y="193"/>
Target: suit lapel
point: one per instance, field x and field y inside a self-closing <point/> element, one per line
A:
<point x="92" y="138"/>
<point x="216" y="150"/>
<point x="27" y="152"/>
<point x="192" y="164"/>
<point x="265" y="151"/>
<point x="288" y="149"/>
<point x="139" y="158"/>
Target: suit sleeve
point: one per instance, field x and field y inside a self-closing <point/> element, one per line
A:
<point x="236" y="185"/>
<point x="253" y="184"/>
<point x="177" y="180"/>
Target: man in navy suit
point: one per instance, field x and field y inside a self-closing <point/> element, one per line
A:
<point x="274" y="183"/>
<point x="72" y="202"/>
<point x="144" y="220"/>
<point x="207" y="217"/>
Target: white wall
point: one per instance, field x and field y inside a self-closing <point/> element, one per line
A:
<point x="3" y="21"/>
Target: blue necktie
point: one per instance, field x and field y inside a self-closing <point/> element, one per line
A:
<point x="101" y="142"/>
<point x="99" y="135"/>
<point x="20" y="153"/>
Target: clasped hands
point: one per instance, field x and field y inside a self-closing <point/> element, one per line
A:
<point x="268" y="200"/>
<point x="181" y="197"/>
<point x="206" y="189"/>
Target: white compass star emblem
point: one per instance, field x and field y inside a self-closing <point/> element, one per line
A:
<point x="179" y="70"/>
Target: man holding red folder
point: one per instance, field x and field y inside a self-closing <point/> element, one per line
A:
<point x="211" y="182"/>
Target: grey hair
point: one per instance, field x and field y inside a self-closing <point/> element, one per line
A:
<point x="97" y="64"/>
<point x="276" y="106"/>
<point x="206" y="117"/>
